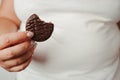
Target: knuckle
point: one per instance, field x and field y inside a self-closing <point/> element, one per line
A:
<point x="17" y="62"/>
<point x="7" y="40"/>
<point x="10" y="54"/>
<point x="25" y="46"/>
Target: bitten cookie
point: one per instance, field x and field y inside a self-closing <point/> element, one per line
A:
<point x="42" y="30"/>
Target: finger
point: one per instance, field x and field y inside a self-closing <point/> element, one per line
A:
<point x="19" y="60"/>
<point x="15" y="51"/>
<point x="14" y="38"/>
<point x="20" y="67"/>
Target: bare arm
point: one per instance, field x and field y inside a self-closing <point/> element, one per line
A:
<point x="8" y="19"/>
<point x="16" y="48"/>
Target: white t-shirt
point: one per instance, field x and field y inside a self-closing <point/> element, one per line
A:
<point x="85" y="42"/>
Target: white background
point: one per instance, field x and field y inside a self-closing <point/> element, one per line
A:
<point x="4" y="75"/>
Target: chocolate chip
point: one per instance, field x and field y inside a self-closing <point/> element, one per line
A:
<point x="42" y="30"/>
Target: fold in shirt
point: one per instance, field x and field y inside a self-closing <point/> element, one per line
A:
<point x="85" y="42"/>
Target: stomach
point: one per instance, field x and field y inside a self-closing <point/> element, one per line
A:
<point x="82" y="45"/>
<point x="78" y="41"/>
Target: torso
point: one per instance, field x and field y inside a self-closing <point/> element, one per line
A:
<point x="85" y="43"/>
<point x="106" y="8"/>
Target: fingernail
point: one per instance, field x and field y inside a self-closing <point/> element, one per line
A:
<point x="30" y="34"/>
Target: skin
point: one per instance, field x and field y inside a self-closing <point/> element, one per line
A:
<point x="16" y="48"/>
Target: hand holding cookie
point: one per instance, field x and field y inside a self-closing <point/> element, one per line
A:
<point x="16" y="50"/>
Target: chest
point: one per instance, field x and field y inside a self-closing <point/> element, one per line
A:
<point x="107" y="8"/>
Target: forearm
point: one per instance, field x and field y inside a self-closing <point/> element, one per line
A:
<point x="7" y="26"/>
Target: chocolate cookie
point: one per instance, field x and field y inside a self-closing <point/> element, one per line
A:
<point x="42" y="30"/>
